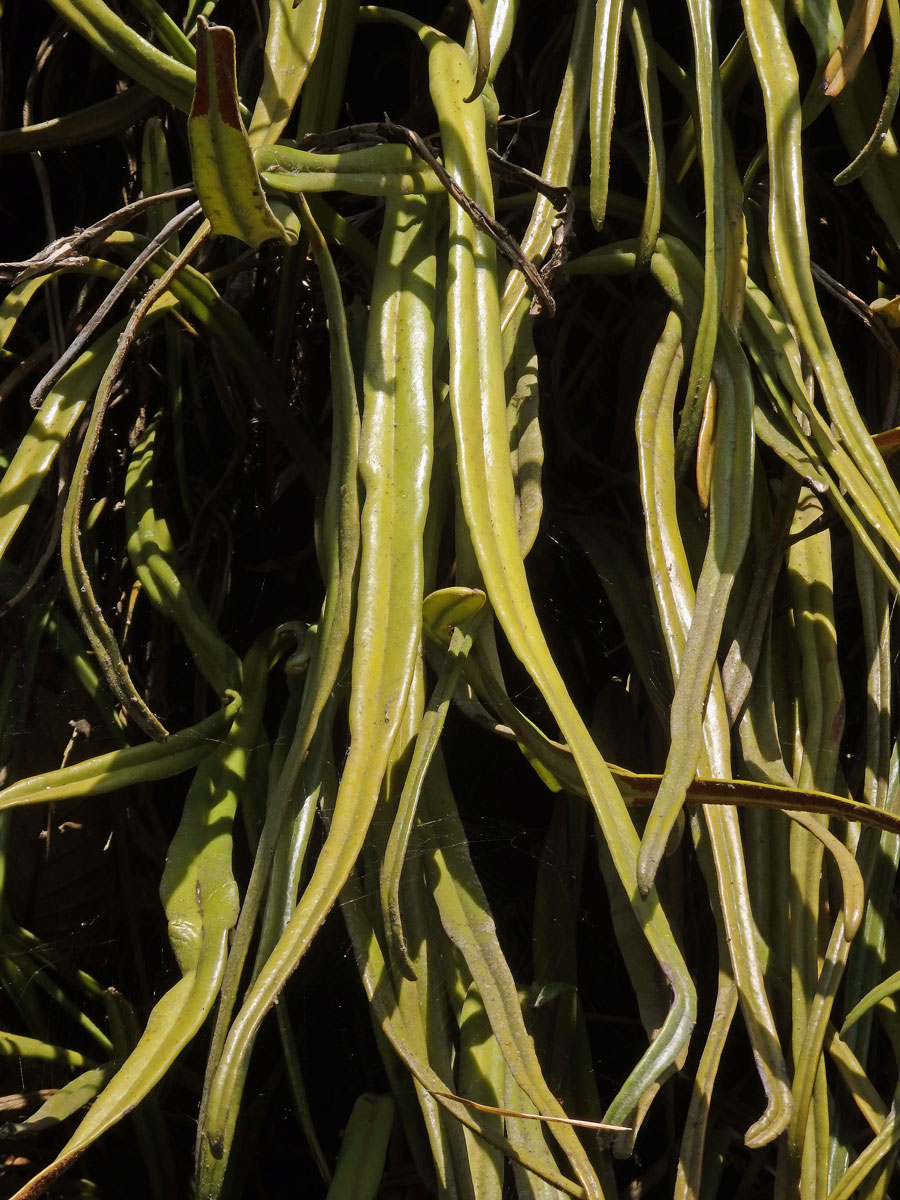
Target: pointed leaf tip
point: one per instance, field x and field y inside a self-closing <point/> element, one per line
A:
<point x="228" y="183"/>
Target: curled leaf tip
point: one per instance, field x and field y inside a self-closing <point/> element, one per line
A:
<point x="443" y="610"/>
<point x="483" y="49"/>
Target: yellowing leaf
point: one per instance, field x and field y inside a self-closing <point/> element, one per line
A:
<point x="888" y="310"/>
<point x="843" y="64"/>
<point x="228" y="184"/>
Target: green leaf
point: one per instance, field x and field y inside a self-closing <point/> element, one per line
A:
<point x="85" y="126"/>
<point x="443" y="610"/>
<point x="228" y="184"/>
<point x="132" y="54"/>
<point x="364" y="1149"/>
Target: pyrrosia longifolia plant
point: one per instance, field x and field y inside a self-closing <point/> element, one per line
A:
<point x="448" y="545"/>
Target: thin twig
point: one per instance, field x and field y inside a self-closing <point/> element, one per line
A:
<point x="482" y="220"/>
<point x="64" y="251"/>
<point x="869" y="317"/>
<point x="562" y="200"/>
<point x="78" y="580"/>
<point x="348" y="137"/>
<point x="598" y="1126"/>
<point x="559" y="197"/>
<point x="83" y="338"/>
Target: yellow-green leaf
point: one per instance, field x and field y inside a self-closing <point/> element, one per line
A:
<point x="228" y="183"/>
<point x="443" y="610"/>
